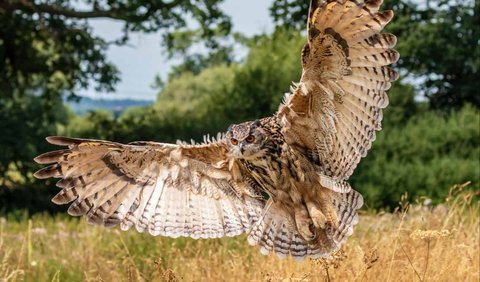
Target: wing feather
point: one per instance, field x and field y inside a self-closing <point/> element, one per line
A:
<point x="372" y="97"/>
<point x="336" y="108"/>
<point x="169" y="190"/>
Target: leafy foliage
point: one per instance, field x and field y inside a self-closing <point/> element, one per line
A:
<point x="25" y="121"/>
<point x="48" y="50"/>
<point x="171" y="118"/>
<point x="270" y="67"/>
<point x="289" y="13"/>
<point x="48" y="46"/>
<point x="423" y="156"/>
<point x="440" y="47"/>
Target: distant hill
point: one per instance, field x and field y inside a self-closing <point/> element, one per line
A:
<point x="87" y="104"/>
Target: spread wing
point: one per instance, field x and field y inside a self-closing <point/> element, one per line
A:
<point x="332" y="115"/>
<point x="168" y="190"/>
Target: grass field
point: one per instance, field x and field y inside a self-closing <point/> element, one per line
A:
<point x="415" y="243"/>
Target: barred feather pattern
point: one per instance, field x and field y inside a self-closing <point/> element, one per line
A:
<point x="336" y="108"/>
<point x="276" y="233"/>
<point x="168" y="190"/>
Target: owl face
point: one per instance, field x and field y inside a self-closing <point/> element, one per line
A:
<point x="246" y="140"/>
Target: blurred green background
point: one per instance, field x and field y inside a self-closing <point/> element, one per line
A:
<point x="48" y="54"/>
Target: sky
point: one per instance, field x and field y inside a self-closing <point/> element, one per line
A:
<point x="143" y="58"/>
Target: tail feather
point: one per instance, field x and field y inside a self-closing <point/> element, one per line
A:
<point x="269" y="233"/>
<point x="346" y="205"/>
<point x="283" y="241"/>
<point x="277" y="233"/>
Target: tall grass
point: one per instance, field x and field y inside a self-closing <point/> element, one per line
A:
<point x="415" y="243"/>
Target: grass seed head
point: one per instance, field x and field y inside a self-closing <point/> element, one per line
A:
<point x="430" y="234"/>
<point x="370" y="258"/>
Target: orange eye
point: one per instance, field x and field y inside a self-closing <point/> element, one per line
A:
<point x="250" y="138"/>
<point x="234" y="141"/>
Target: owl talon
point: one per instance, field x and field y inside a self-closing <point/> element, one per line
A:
<point x="305" y="226"/>
<point x="306" y="232"/>
<point x="318" y="218"/>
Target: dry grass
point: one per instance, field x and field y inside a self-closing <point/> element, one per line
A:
<point x="414" y="243"/>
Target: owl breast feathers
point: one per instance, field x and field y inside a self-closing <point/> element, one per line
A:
<point x="281" y="179"/>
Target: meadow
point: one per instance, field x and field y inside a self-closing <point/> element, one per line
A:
<point x="416" y="242"/>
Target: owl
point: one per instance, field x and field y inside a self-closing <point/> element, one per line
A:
<point x="282" y="179"/>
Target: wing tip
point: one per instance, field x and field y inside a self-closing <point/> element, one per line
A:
<point x="39" y="175"/>
<point x="62" y="140"/>
<point x="61" y="199"/>
<point x="50" y="157"/>
<point x="40" y="159"/>
<point x="49" y="171"/>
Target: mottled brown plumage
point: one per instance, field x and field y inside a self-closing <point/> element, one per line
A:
<point x="281" y="179"/>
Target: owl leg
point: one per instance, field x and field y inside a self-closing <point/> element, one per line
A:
<point x="304" y="223"/>
<point x="322" y="226"/>
<point x="318" y="218"/>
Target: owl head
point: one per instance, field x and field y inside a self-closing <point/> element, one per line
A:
<point x="246" y="140"/>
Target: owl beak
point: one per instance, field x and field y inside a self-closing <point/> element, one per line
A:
<point x="241" y="147"/>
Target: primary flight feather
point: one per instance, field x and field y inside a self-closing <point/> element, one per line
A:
<point x="281" y="179"/>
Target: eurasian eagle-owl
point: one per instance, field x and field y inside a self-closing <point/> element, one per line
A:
<point x="281" y="179"/>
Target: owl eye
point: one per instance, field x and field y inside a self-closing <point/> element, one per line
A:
<point x="250" y="138"/>
<point x="234" y="141"/>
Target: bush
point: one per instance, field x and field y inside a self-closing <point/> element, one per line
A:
<point x="423" y="157"/>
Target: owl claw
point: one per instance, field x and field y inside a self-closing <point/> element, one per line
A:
<point x="305" y="226"/>
<point x="306" y="232"/>
<point x="318" y="218"/>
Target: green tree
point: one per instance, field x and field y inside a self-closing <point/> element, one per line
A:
<point x="24" y="123"/>
<point x="439" y="45"/>
<point x="424" y="157"/>
<point x="187" y="107"/>
<point x="289" y="13"/>
<point x="271" y="66"/>
<point x="48" y="46"/>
